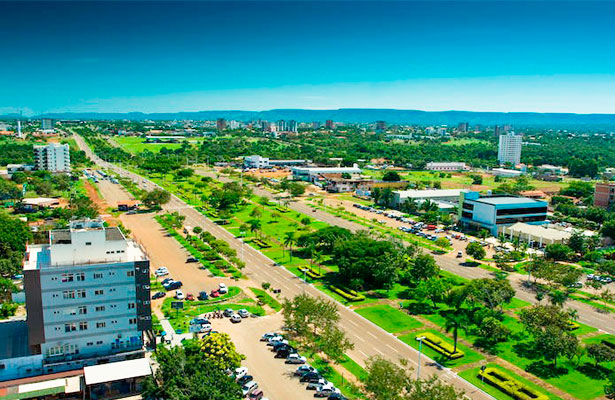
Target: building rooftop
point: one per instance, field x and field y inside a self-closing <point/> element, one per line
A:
<point x="14" y="339"/>
<point x="507" y="200"/>
<point x="117" y="371"/>
<point x="431" y="193"/>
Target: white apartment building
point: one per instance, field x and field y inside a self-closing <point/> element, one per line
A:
<point x="87" y="297"/>
<point x="446" y="166"/>
<point x="509" y="149"/>
<point x="52" y="157"/>
<point x="256" y="162"/>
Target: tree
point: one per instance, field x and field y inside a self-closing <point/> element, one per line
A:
<point x="608" y="229"/>
<point x="334" y="343"/>
<point x="14" y="234"/>
<point x="197" y="230"/>
<point x="476" y="179"/>
<point x="558" y="297"/>
<point x="492" y="293"/>
<point x="156" y="198"/>
<point x="254" y="226"/>
<point x="391" y="176"/>
<point x="183" y="374"/>
<point x="558" y="252"/>
<point x="609" y="388"/>
<point x="442" y="242"/>
<point x="385" y="380"/>
<point x="9" y="190"/>
<point x="492" y="331"/>
<point x="296" y="189"/>
<point x="185" y="173"/>
<point x="424" y="267"/>
<point x="256" y="213"/>
<point x="220" y="351"/>
<point x="476" y="251"/>
<point x="554" y="342"/>
<point x="600" y="353"/>
<point x="577" y="242"/>
<point x="289" y="241"/>
<point x="306" y="221"/>
<point x="454" y="322"/>
<point x="432" y="389"/>
<point x="434" y="289"/>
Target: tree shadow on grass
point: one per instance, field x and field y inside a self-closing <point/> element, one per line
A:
<point x="545" y="370"/>
<point x="527" y="350"/>
<point x="597" y="372"/>
<point x="416" y="308"/>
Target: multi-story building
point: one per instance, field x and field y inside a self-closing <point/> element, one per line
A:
<point x="221" y="124"/>
<point x="450" y="196"/>
<point x="47" y="124"/>
<point x="256" y="162"/>
<point x="463" y="127"/>
<point x="381" y="126"/>
<point x="291" y="126"/>
<point x="329" y="124"/>
<point x="509" y="149"/>
<point x="87" y="297"/>
<point x="311" y="174"/>
<point x="52" y="157"/>
<point x="604" y="194"/>
<point x="494" y="212"/>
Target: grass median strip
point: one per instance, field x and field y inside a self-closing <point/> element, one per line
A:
<point x="389" y="318"/>
<point x="267" y="299"/>
<point x="470" y="356"/>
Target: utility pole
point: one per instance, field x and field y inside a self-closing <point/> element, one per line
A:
<point x="418" y="370"/>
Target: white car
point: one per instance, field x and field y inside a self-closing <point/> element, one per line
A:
<point x="267" y="336"/>
<point x="162" y="271"/>
<point x="249" y="388"/>
<point x="206" y="328"/>
<point x="243" y="313"/>
<point x="272" y="340"/>
<point x="295" y="359"/>
<point x="222" y="288"/>
<point x="179" y="295"/>
<point x="326" y="391"/>
<point x="240" y="372"/>
<point x="316" y="385"/>
<point x="235" y="318"/>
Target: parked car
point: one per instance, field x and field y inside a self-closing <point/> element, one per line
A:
<point x="243" y="313"/>
<point x="199" y="321"/>
<point x="158" y="295"/>
<point x="295" y="359"/>
<point x="228" y="312"/>
<point x="303" y="369"/>
<point x="235" y="318"/>
<point x="179" y="295"/>
<point x="256" y="395"/>
<point x="202" y="296"/>
<point x="249" y="388"/>
<point x="240" y="372"/>
<point x="189" y="297"/>
<point x="281" y="345"/>
<point x="268" y="335"/>
<point x="278" y="343"/>
<point x="214" y="294"/>
<point x="337" y="396"/>
<point x="310" y="377"/>
<point x="285" y="352"/>
<point x="313" y="385"/>
<point x="245" y="379"/>
<point x="173" y="285"/>
<point x="162" y="271"/>
<point x="459" y="254"/>
<point x="206" y="328"/>
<point x="222" y="288"/>
<point x="192" y="260"/>
<point x="326" y="391"/>
<point x="166" y="280"/>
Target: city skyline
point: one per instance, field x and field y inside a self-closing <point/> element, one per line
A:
<point x="191" y="56"/>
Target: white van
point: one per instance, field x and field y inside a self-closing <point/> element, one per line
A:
<point x="249" y="388"/>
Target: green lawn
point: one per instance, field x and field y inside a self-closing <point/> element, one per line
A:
<point x="389" y="318"/>
<point x="267" y="299"/>
<point x="471" y="375"/>
<point x="470" y="356"/>
<point x="179" y="319"/>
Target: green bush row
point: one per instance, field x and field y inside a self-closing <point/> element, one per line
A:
<point x="510" y="386"/>
<point x="311" y="273"/>
<point x="348" y="294"/>
<point x="441" y="346"/>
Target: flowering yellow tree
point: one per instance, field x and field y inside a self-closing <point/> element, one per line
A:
<point x="220" y="350"/>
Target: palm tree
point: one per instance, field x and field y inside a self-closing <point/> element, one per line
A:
<point x="376" y="195"/>
<point x="317" y="258"/>
<point x="289" y="240"/>
<point x="454" y="322"/>
<point x="255" y="225"/>
<point x="429" y="205"/>
<point x="410" y="206"/>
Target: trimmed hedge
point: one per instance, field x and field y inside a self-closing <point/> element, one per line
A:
<point x="509" y="385"/>
<point x="571" y="325"/>
<point x="610" y="342"/>
<point x="311" y="273"/>
<point x="441" y="346"/>
<point x="348" y="294"/>
<point x="261" y="243"/>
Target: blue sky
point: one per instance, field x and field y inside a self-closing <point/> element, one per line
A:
<point x="541" y="56"/>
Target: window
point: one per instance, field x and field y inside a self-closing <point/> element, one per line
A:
<point x="131" y="306"/>
<point x="99" y="292"/>
<point x="70" y="327"/>
<point x="130" y="273"/>
<point x="83" y="310"/>
<point x="68" y="294"/>
<point x="83" y="326"/>
<point x="81" y="294"/>
<point x="100" y="308"/>
<point x="80" y="276"/>
<point x="99" y="342"/>
<point x="67" y="277"/>
<point x="101" y="324"/>
<point x="90" y="344"/>
<point x="132" y="321"/>
<point x="88" y="243"/>
<point x="98" y="275"/>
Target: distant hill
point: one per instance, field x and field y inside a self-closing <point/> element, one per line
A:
<point x="365" y="115"/>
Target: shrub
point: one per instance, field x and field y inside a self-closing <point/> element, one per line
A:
<point x="510" y="386"/>
<point x="348" y="294"/>
<point x="441" y="346"/>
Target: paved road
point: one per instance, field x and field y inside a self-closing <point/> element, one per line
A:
<point x="369" y="339"/>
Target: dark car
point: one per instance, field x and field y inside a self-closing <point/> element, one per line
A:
<point x="203" y="296"/>
<point x="192" y="260"/>
<point x="281" y="346"/>
<point x="245" y="379"/>
<point x="166" y="280"/>
<point x="173" y="285"/>
<point x="158" y="295"/>
<point x="283" y="353"/>
<point x="336" y="396"/>
<point x="310" y="377"/>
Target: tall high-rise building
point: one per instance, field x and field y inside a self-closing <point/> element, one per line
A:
<point x="509" y="149"/>
<point x="47" y="124"/>
<point x="19" y="133"/>
<point x="281" y="124"/>
<point x="221" y="124"/>
<point x="381" y="126"/>
<point x="463" y="127"/>
<point x="604" y="194"/>
<point x="87" y="297"/>
<point x="316" y="125"/>
<point x="54" y="157"/>
<point x="292" y="126"/>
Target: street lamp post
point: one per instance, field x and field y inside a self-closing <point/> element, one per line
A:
<point x="418" y="370"/>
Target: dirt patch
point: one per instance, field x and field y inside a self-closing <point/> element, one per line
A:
<point x="268" y="173"/>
